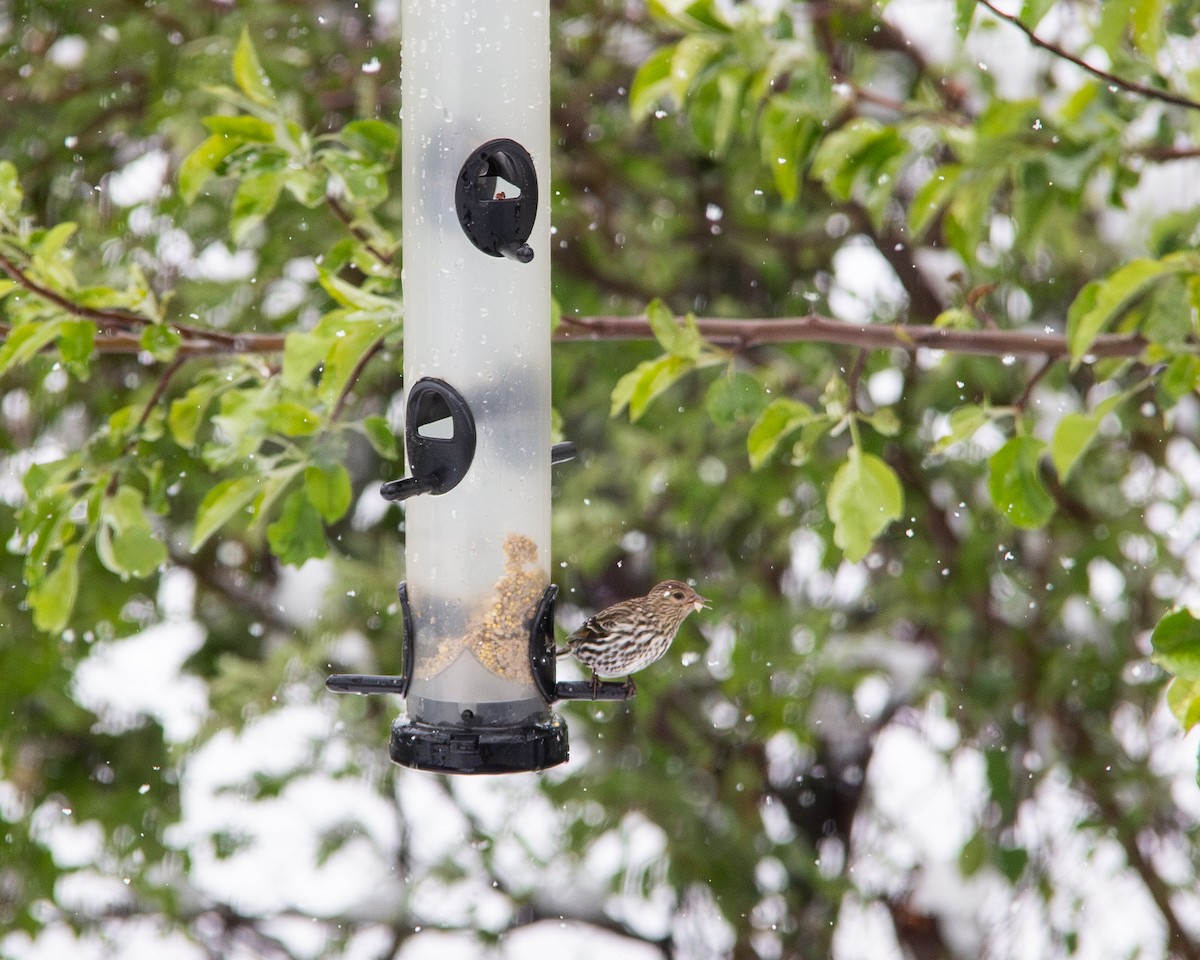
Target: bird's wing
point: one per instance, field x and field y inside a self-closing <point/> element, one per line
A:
<point x="599" y="625"/>
<point x="590" y="629"/>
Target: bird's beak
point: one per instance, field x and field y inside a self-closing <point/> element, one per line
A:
<point x="701" y="603"/>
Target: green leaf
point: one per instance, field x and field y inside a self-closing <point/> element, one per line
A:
<point x="623" y="392"/>
<point x="360" y="180"/>
<point x="854" y="154"/>
<point x="328" y="489"/>
<point x="1012" y="862"/>
<point x="1176" y="643"/>
<point x="187" y="412"/>
<point x="682" y="340"/>
<point x="220" y="505"/>
<point x="345" y="355"/>
<point x="655" y="379"/>
<point x="291" y="419"/>
<point x="53" y="599"/>
<point x="1148" y="21"/>
<point x="160" y="341"/>
<point x="302" y="352"/>
<point x="379" y="433"/>
<point x="76" y="342"/>
<point x="1183" y="699"/>
<point x="238" y="427"/>
<point x="125" y="542"/>
<point x="1032" y="11"/>
<point x="255" y="197"/>
<point x="134" y="552"/>
<point x="651" y="83"/>
<point x="11" y="195"/>
<point x="788" y="132"/>
<point x="964" y="12"/>
<point x="781" y="417"/>
<point x="932" y="196"/>
<point x="53" y="245"/>
<point x="885" y="422"/>
<point x="811" y="434"/>
<point x="348" y="295"/>
<point x="734" y="398"/>
<point x="691" y="55"/>
<point x="248" y="73"/>
<point x="1102" y="301"/>
<point x="242" y="128"/>
<point x="1181" y="377"/>
<point x="863" y="498"/>
<point x="202" y="163"/>
<point x="1115" y="16"/>
<point x="973" y="855"/>
<point x="298" y="534"/>
<point x="1015" y="483"/>
<point x="26" y="341"/>
<point x="373" y="139"/>
<point x="1072" y="436"/>
<point x="731" y="95"/>
<point x="998" y="771"/>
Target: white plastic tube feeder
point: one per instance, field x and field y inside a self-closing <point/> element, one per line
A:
<point x="477" y="598"/>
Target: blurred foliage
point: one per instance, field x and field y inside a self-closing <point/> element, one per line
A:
<point x="993" y="554"/>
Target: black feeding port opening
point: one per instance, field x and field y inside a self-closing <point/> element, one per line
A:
<point x="497" y="196"/>
<point x="439" y="435"/>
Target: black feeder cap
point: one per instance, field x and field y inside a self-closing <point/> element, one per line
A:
<point x="447" y="749"/>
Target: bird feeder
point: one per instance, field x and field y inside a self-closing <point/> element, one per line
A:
<point x="477" y="602"/>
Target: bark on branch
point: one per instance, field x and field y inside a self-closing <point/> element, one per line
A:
<point x="735" y="334"/>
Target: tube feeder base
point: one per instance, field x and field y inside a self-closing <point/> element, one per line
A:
<point x="445" y="749"/>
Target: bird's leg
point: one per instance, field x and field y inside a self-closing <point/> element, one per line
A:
<point x="595" y="684"/>
<point x="630" y="687"/>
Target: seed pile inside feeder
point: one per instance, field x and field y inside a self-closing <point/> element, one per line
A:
<point x="499" y="636"/>
<point x="501" y="640"/>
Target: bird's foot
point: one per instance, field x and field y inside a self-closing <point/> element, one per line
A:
<point x="630" y="688"/>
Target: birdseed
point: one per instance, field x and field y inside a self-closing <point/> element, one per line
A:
<point x="501" y="640"/>
<point x="499" y="637"/>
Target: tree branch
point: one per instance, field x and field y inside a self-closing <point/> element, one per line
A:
<point x="358" y="232"/>
<point x="107" y="317"/>
<point x="1141" y="89"/>
<point x="737" y="334"/>
<point x="742" y="334"/>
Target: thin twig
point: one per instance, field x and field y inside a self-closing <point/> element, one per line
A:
<point x="1023" y="399"/>
<point x="358" y="232"/>
<point x="107" y="317"/>
<point x="853" y="378"/>
<point x="1141" y="89"/>
<point x="344" y="396"/>
<point x="161" y="388"/>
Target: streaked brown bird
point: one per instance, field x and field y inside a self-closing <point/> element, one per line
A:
<point x="632" y="634"/>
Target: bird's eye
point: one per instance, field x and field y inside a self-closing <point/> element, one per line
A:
<point x="677" y="595"/>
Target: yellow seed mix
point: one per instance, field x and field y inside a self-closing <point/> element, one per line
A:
<point x="447" y="653"/>
<point x="499" y="638"/>
<point x="500" y="641"/>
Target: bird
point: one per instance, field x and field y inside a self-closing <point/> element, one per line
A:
<point x="632" y="634"/>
